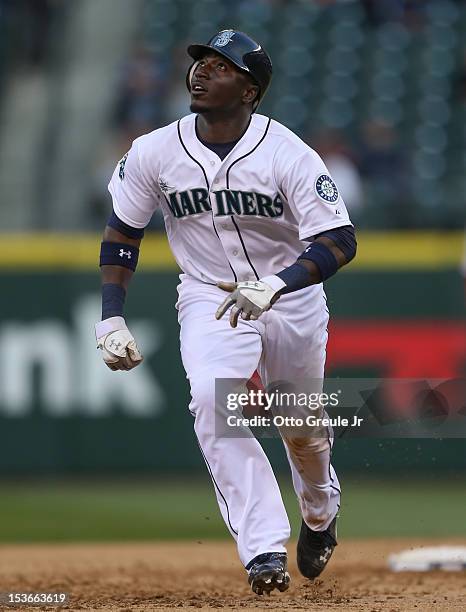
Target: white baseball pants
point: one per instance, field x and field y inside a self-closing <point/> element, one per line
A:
<point x="286" y="343"/>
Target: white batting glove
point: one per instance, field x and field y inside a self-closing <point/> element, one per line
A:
<point x="119" y="349"/>
<point x="249" y="298"/>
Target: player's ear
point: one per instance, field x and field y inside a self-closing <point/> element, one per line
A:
<point x="250" y="93"/>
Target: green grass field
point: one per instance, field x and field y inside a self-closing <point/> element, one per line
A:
<point x="174" y="509"/>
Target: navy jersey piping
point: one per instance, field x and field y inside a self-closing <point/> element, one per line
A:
<point x="244" y="247"/>
<point x="208" y="189"/>
<point x="228" y="187"/>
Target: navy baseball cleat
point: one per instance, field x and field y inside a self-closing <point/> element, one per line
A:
<point x="315" y="549"/>
<point x="268" y="572"/>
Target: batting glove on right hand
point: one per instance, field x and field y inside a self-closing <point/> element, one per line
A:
<point x="249" y="299"/>
<point x="119" y="349"/>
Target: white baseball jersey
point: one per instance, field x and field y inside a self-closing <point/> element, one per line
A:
<point x="242" y="218"/>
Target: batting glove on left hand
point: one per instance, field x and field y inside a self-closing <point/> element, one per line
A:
<point x="249" y="298"/>
<point x="119" y="348"/>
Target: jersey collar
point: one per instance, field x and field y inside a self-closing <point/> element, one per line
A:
<point x="252" y="136"/>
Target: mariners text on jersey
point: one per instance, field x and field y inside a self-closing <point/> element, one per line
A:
<point x="225" y="202"/>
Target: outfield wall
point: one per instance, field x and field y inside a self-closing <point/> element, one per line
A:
<point x="397" y="311"/>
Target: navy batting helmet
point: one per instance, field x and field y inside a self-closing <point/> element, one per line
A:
<point x="240" y="49"/>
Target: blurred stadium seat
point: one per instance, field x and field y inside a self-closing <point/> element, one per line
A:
<point x="348" y="66"/>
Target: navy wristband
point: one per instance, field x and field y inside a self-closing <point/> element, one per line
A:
<point x="113" y="300"/>
<point x="323" y="257"/>
<point x="119" y="254"/>
<point x="125" y="229"/>
<point x="296" y="277"/>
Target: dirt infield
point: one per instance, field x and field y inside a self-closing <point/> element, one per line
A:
<point x="207" y="576"/>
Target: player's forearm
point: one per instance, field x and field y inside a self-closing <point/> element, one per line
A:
<point x="322" y="259"/>
<point x="116" y="247"/>
<point x="117" y="274"/>
<point x="313" y="270"/>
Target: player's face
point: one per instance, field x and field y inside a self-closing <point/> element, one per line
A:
<point x="217" y="84"/>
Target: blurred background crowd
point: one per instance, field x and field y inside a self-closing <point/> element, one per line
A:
<point x="378" y="87"/>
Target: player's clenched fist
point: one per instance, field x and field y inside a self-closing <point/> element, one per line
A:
<point x="249" y="299"/>
<point x="119" y="349"/>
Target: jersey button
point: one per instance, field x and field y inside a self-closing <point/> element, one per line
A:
<point x="212" y="163"/>
<point x="216" y="181"/>
<point x="235" y="252"/>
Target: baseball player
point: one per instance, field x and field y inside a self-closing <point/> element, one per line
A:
<point x="256" y="225"/>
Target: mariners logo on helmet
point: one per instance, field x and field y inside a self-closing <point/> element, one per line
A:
<point x="224" y="38"/>
<point x="326" y="189"/>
